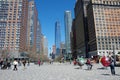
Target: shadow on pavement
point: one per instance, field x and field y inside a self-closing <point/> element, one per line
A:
<point x="102" y="68"/>
<point x="88" y="69"/>
<point x="117" y="75"/>
<point x="110" y="74"/>
<point x="106" y="74"/>
<point x="77" y="68"/>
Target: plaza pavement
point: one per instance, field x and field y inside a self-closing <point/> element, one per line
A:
<point x="59" y="71"/>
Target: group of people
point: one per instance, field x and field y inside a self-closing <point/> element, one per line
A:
<point x="16" y="63"/>
<point x="81" y="61"/>
<point x="5" y="64"/>
<point x="108" y="61"/>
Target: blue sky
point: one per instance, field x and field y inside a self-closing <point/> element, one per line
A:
<point x="49" y="11"/>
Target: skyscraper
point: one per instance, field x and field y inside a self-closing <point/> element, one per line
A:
<point x="38" y="38"/>
<point x="45" y="46"/>
<point x="80" y="29"/>
<point x="68" y="25"/>
<point x="32" y="27"/>
<point x="57" y="37"/>
<point x="104" y="26"/>
<point x="19" y="26"/>
<point x="13" y="22"/>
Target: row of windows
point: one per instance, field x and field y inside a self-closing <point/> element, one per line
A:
<point x="5" y="19"/>
<point x="10" y="1"/>
<point x="9" y="42"/>
<point x="108" y="43"/>
<point x="101" y="8"/>
<point x="109" y="39"/>
<point x="107" y="48"/>
<point x="11" y="48"/>
<point x="106" y="2"/>
<point x="4" y="25"/>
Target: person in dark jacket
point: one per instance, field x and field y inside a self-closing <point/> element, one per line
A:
<point x="112" y="65"/>
<point x="89" y="64"/>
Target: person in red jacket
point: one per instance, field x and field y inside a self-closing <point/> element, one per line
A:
<point x="39" y="62"/>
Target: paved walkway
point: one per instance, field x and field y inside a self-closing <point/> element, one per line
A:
<point x="57" y="71"/>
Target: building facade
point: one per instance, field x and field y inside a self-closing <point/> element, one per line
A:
<point x="73" y="40"/>
<point x="80" y="39"/>
<point x="68" y="26"/>
<point x="104" y="26"/>
<point x="44" y="45"/>
<point x="13" y="22"/>
<point x="38" y="38"/>
<point x="32" y="26"/>
<point x="57" y="37"/>
<point x="19" y="27"/>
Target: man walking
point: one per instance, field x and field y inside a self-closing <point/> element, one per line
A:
<point x="15" y="63"/>
<point x="112" y="65"/>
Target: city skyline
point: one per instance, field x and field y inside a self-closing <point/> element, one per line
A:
<point x="56" y="12"/>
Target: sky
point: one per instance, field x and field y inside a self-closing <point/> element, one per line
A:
<point x="49" y="11"/>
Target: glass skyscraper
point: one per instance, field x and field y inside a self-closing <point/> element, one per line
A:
<point x="68" y="25"/>
<point x="57" y="37"/>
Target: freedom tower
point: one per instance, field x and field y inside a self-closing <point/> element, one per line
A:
<point x="57" y="37"/>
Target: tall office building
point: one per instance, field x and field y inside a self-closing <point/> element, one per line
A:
<point x="68" y="25"/>
<point x="38" y="38"/>
<point x="53" y="49"/>
<point x="80" y="30"/>
<point x="44" y="45"/>
<point x="32" y="27"/>
<point x="13" y="22"/>
<point x="57" y="37"/>
<point x="104" y="26"/>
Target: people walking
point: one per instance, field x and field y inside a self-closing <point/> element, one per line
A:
<point x="39" y="62"/>
<point x="89" y="64"/>
<point x="112" y="65"/>
<point x="9" y="64"/>
<point x="24" y="63"/>
<point x="15" y="63"/>
<point x="28" y="62"/>
<point x="1" y="63"/>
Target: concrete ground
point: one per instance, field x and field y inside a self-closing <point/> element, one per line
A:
<point x="59" y="71"/>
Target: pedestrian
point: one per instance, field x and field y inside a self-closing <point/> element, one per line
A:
<point x="112" y="65"/>
<point x="9" y="64"/>
<point x="89" y="64"/>
<point x="28" y="63"/>
<point x="24" y="63"/>
<point x="39" y="62"/>
<point x="75" y="62"/>
<point x="15" y="63"/>
<point x="1" y="63"/>
<point x="19" y="63"/>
